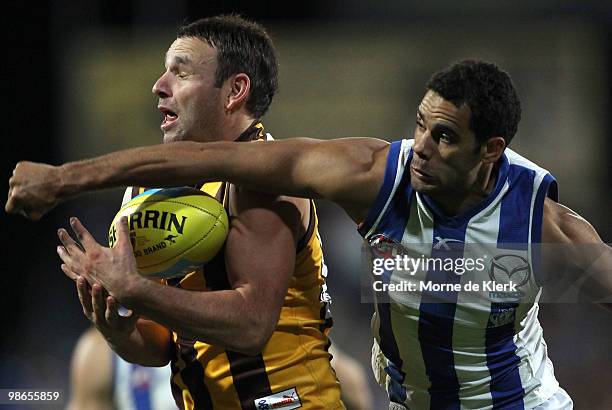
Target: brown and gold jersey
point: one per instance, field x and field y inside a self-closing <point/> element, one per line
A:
<point x="293" y="370"/>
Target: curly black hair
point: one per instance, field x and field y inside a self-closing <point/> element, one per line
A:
<point x="487" y="90"/>
<point x="242" y="46"/>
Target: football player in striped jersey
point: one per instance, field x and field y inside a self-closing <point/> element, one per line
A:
<point x="454" y="184"/>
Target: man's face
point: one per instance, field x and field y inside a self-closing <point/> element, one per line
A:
<point x="446" y="159"/>
<point x="188" y="98"/>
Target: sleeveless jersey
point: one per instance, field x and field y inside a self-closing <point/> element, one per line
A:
<point x="464" y="351"/>
<point x="293" y="370"/>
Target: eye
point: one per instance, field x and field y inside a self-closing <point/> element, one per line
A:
<point x="182" y="75"/>
<point x="447" y="138"/>
<point x="420" y="124"/>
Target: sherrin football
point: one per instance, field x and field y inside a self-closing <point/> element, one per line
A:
<point x="173" y="230"/>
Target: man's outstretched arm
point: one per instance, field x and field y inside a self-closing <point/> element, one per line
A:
<point x="348" y="171"/>
<point x="580" y="251"/>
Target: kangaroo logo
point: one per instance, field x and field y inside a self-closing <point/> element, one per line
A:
<point x="170" y="238"/>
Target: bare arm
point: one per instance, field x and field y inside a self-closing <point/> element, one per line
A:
<point x="241" y="318"/>
<point x="347" y="171"/>
<point x="353" y="380"/>
<point x="148" y="345"/>
<point x="91" y="374"/>
<point x="135" y="339"/>
<point x="260" y="260"/>
<point x="582" y="248"/>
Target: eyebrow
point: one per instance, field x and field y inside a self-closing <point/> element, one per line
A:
<point x="180" y="60"/>
<point x="441" y="128"/>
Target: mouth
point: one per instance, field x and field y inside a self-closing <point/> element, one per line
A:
<point x="170" y="117"/>
<point x="419" y="173"/>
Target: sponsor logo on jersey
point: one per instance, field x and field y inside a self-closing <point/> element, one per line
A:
<point x="509" y="270"/>
<point x="510" y="267"/>
<point x="285" y="400"/>
<point x="445" y="243"/>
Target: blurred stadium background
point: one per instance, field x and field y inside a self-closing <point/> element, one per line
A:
<point x="78" y="77"/>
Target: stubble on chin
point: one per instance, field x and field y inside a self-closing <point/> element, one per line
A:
<point x="423" y="188"/>
<point x="172" y="137"/>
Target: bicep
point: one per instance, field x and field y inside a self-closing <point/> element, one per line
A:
<point x="348" y="171"/>
<point x="562" y="225"/>
<point x="260" y="252"/>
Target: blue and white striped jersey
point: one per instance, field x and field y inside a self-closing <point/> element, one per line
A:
<point x="466" y="353"/>
<point x="141" y="388"/>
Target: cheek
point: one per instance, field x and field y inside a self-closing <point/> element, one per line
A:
<point x="452" y="166"/>
<point x="204" y="103"/>
<point x="460" y="167"/>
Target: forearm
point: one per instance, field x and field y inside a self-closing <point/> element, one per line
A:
<point x="222" y="318"/>
<point x="149" y="344"/>
<point x="597" y="285"/>
<point x="180" y="163"/>
<point x="299" y="167"/>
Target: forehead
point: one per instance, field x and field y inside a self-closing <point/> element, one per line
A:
<point x="190" y="50"/>
<point x="435" y="108"/>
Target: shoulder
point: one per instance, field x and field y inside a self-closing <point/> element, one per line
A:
<point x="254" y="207"/>
<point x="361" y="150"/>
<point x="562" y="225"/>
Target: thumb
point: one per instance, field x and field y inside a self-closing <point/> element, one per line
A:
<point x="127" y="317"/>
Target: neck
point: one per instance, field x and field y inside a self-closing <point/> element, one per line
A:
<point x="234" y="127"/>
<point x="226" y="128"/>
<point x="454" y="203"/>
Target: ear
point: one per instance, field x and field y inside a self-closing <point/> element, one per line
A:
<point x="239" y="87"/>
<point x="493" y="149"/>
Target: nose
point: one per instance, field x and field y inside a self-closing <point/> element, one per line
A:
<point x="162" y="87"/>
<point x="423" y="145"/>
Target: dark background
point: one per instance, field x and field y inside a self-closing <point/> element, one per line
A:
<point x="41" y="317"/>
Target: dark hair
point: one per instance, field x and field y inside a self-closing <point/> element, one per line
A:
<point x="242" y="46"/>
<point x="487" y="90"/>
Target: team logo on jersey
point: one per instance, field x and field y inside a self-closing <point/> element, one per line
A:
<point x="510" y="267"/>
<point x="285" y="400"/>
<point x="383" y="246"/>
<point x="502" y="317"/>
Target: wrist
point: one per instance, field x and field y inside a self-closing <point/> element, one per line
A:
<point x="122" y="342"/>
<point x="81" y="176"/>
<point x="116" y="339"/>
<point x="130" y="291"/>
<point x="69" y="180"/>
